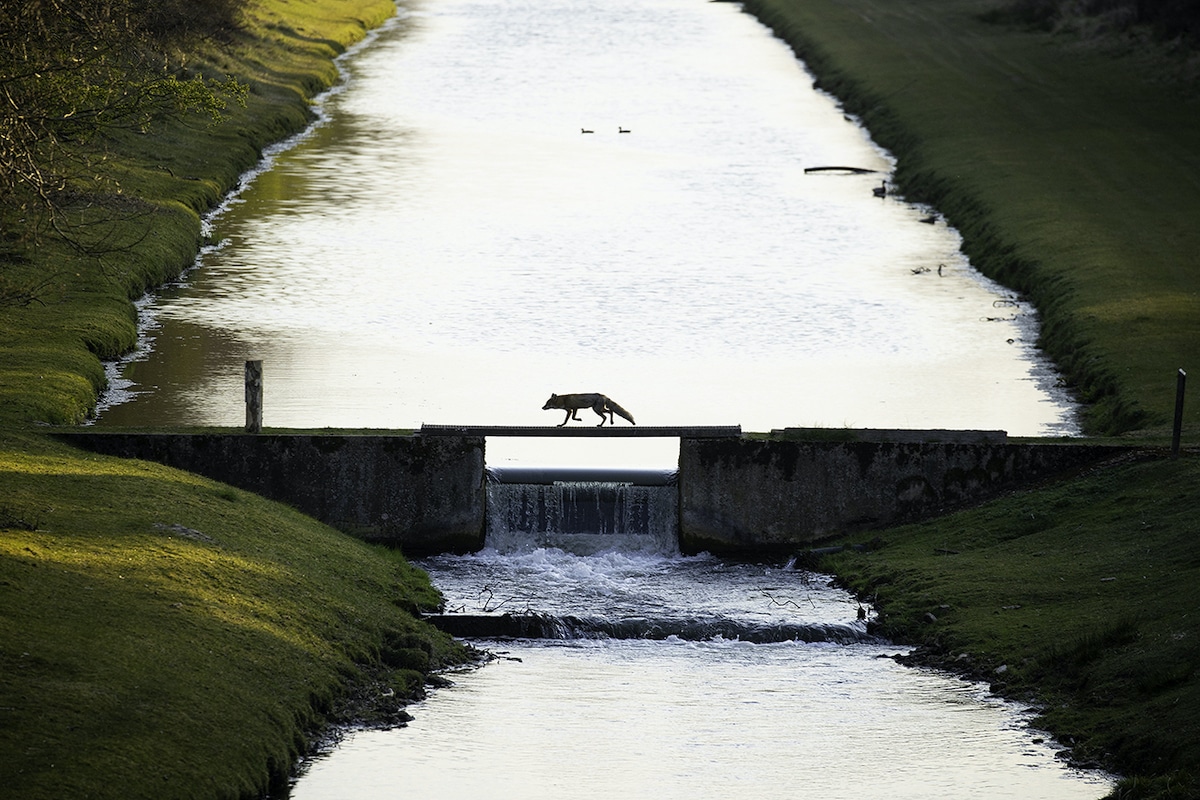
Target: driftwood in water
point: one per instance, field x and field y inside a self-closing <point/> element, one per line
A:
<point x="852" y="170"/>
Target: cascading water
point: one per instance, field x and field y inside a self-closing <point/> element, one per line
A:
<point x="582" y="512"/>
<point x="579" y="554"/>
<point x="633" y="671"/>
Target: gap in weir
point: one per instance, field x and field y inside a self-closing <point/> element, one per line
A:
<point x="545" y="452"/>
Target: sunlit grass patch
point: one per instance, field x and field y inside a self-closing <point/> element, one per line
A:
<point x="157" y="628"/>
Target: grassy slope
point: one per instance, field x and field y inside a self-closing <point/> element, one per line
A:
<point x="1073" y="174"/>
<point x="162" y="635"/>
<point x="1083" y="595"/>
<point x="159" y="185"/>
<point x="1074" y="177"/>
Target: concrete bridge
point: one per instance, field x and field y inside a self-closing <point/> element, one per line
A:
<point x="739" y="494"/>
<point x="595" y="431"/>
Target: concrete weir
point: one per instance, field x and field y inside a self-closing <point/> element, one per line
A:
<point x="802" y="485"/>
<point x="423" y="494"/>
<point x="737" y="495"/>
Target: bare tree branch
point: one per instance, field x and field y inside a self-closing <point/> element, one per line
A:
<point x="75" y="73"/>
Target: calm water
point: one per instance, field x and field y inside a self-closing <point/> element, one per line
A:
<point x="687" y="720"/>
<point x="813" y="711"/>
<point x="448" y="247"/>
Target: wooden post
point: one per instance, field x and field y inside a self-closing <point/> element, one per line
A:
<point x="1180" y="382"/>
<point x="254" y="396"/>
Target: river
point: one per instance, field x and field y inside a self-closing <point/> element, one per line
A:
<point x="663" y="676"/>
<point x="448" y="247"/>
<point x="506" y="199"/>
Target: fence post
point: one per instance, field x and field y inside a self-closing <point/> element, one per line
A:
<point x="1180" y="382"/>
<point x="254" y="396"/>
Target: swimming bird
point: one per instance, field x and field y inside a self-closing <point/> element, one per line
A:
<point x="880" y="190"/>
<point x="585" y="130"/>
<point x="622" y="130"/>
<point x="930" y="220"/>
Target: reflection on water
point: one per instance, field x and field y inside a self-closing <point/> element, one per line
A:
<point x="450" y="248"/>
<point x="677" y="718"/>
<point x="696" y="720"/>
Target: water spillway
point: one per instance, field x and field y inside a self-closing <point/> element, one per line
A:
<point x="593" y="553"/>
<point x="582" y="510"/>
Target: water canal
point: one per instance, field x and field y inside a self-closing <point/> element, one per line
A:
<point x="449" y="246"/>
<point x="686" y="677"/>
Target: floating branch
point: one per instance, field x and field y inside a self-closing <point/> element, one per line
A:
<point x="851" y="170"/>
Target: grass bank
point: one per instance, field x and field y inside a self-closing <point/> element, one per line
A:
<point x="1081" y="597"/>
<point x="147" y="193"/>
<point x="162" y="635"/>
<point x="1071" y="168"/>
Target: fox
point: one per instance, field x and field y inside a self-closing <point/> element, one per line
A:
<point x="602" y="405"/>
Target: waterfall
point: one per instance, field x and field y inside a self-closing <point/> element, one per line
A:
<point x="582" y="511"/>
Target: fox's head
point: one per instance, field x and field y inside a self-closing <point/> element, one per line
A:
<point x="550" y="402"/>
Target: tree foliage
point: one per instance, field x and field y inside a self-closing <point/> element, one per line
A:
<point x="73" y="72"/>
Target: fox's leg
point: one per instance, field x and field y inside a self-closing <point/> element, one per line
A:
<point x="566" y="420"/>
<point x="602" y="410"/>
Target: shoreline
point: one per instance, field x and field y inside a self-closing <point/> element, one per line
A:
<point x="113" y="382"/>
<point x="1014" y="593"/>
<point x="963" y="106"/>
<point x="43" y="512"/>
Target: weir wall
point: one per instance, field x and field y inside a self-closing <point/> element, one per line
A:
<point x="747" y="495"/>
<point x="423" y="494"/>
<point x="737" y="495"/>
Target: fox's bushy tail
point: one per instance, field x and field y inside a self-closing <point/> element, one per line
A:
<point x="616" y="408"/>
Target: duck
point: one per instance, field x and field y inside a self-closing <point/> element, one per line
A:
<point x="622" y="130"/>
<point x="880" y="190"/>
<point x="585" y="130"/>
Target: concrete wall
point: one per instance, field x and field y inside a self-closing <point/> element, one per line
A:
<point x="422" y="494"/>
<point x="426" y="494"/>
<point x="746" y="495"/>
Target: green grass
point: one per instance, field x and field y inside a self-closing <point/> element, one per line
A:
<point x="1082" y="596"/>
<point x="1072" y="171"/>
<point x="162" y="635"/>
<point x="151" y="190"/>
